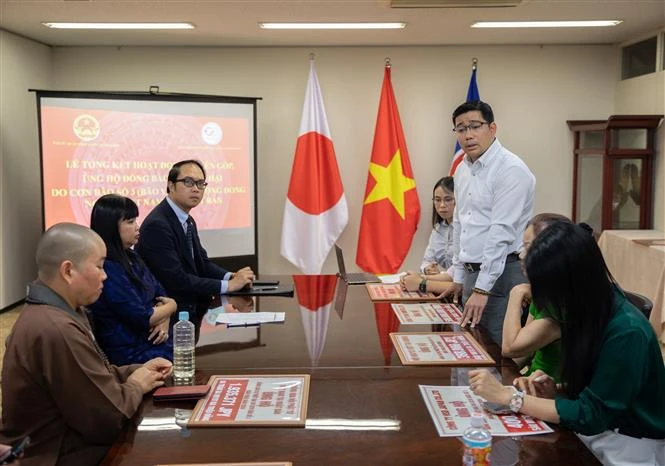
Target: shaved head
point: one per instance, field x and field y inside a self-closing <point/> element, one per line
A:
<point x="64" y="242"/>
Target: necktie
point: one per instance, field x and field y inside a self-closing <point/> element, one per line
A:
<point x="189" y="237"/>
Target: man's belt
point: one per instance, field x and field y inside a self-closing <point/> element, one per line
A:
<point x="475" y="266"/>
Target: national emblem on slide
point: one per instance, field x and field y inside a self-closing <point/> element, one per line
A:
<point x="86" y="127"/>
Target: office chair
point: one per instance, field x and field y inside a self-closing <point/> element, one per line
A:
<point x="642" y="303"/>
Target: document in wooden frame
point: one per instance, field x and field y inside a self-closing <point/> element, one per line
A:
<point x="271" y="463"/>
<point x="258" y="400"/>
<point x="427" y="313"/>
<point x="393" y="292"/>
<point x="444" y="348"/>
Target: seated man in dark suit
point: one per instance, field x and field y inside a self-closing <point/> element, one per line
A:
<point x="170" y="245"/>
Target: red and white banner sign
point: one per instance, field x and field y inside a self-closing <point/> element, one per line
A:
<point x="445" y="348"/>
<point x="260" y="400"/>
<point x="394" y="292"/>
<point x="451" y="409"/>
<point x="428" y="313"/>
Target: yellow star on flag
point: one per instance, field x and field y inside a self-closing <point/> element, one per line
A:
<point x="390" y="183"/>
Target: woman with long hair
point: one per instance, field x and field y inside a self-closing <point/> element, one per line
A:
<point x="612" y="372"/>
<point x="540" y="334"/>
<point x="131" y="317"/>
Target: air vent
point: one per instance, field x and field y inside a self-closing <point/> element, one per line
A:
<point x="454" y="3"/>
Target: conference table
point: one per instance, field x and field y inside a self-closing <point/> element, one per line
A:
<point x="364" y="406"/>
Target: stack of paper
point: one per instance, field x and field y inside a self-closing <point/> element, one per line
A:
<point x="246" y="319"/>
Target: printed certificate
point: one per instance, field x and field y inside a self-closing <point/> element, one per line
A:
<point x="257" y="400"/>
<point x="451" y="409"/>
<point x="272" y="463"/>
<point x="394" y="292"/>
<point x="445" y="348"/>
<point x="427" y="313"/>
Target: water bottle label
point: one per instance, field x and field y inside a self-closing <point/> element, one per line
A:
<point x="477" y="456"/>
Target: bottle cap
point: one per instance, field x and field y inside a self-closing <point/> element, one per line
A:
<point x="477" y="420"/>
<point x="183" y="315"/>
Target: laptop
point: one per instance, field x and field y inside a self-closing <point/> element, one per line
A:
<point x="357" y="278"/>
<point x="340" y="297"/>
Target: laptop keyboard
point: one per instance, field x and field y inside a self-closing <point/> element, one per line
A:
<point x="361" y="277"/>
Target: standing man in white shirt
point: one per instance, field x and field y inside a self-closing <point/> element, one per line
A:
<point x="494" y="191"/>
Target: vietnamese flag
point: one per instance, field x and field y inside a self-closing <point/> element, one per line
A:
<point x="391" y="209"/>
<point x="315" y="213"/>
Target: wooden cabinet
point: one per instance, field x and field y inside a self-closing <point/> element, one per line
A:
<point x="613" y="171"/>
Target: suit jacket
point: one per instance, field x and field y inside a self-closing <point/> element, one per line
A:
<point x="163" y="247"/>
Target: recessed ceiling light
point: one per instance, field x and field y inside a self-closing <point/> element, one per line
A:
<point x="545" y="24"/>
<point x="400" y="25"/>
<point x="118" y="25"/>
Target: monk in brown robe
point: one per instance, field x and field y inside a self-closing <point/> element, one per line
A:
<point x="57" y="386"/>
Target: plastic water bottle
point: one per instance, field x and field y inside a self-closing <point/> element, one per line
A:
<point x="183" y="350"/>
<point x="477" y="442"/>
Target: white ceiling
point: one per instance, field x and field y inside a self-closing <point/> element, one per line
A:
<point x="234" y="22"/>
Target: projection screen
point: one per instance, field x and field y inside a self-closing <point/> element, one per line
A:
<point x="98" y="143"/>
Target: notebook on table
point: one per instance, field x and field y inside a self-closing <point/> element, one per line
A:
<point x="356" y="278"/>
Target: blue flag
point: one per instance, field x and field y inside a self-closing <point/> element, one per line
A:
<point x="471" y="94"/>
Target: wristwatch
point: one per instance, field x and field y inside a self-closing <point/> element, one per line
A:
<point x="423" y="286"/>
<point x="516" y="401"/>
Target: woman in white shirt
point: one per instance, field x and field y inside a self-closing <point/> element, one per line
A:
<point x="438" y="260"/>
<point x="439" y="253"/>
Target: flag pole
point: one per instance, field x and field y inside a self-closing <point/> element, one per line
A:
<point x="474" y="65"/>
<point x="312" y="55"/>
<point x="388" y="65"/>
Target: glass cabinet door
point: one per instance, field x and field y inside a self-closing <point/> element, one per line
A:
<point x="626" y="188"/>
<point x="589" y="208"/>
<point x="613" y="172"/>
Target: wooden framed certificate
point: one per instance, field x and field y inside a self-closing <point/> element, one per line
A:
<point x="427" y="313"/>
<point x="444" y="348"/>
<point x="265" y="400"/>
<point x="271" y="463"/>
<point x="393" y="292"/>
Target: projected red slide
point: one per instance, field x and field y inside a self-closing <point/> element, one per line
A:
<point x="88" y="153"/>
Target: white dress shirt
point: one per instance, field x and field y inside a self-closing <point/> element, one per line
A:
<point x="494" y="201"/>
<point x="440" y="247"/>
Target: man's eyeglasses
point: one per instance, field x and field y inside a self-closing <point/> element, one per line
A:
<point x="191" y="182"/>
<point x="445" y="200"/>
<point x="473" y="127"/>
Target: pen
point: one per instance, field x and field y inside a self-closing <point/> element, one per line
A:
<point x="265" y="288"/>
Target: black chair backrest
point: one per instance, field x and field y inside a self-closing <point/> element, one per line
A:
<point x="641" y="302"/>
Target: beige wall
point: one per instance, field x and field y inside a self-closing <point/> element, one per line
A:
<point x="646" y="95"/>
<point x="533" y="91"/>
<point x="24" y="64"/>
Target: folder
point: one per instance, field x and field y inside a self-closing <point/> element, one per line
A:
<point x="270" y="290"/>
<point x="181" y="392"/>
